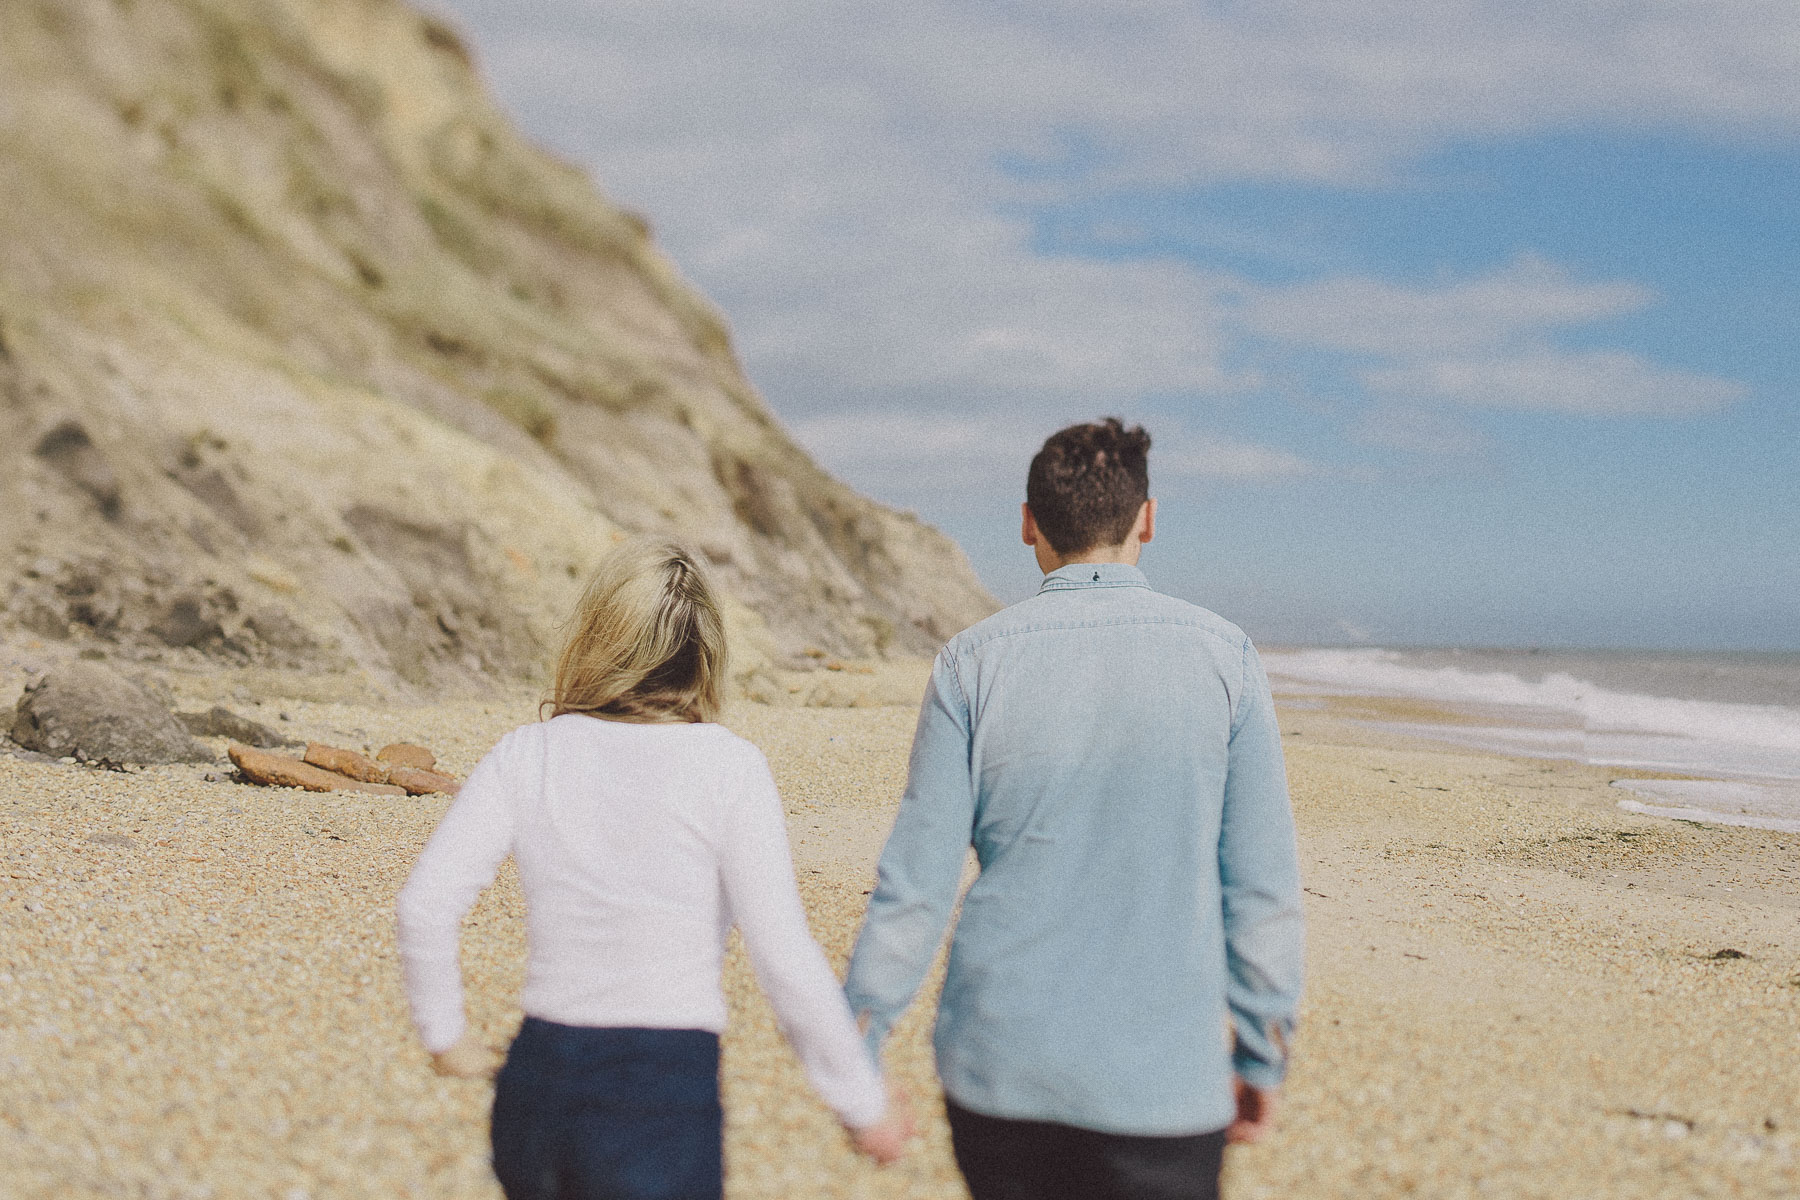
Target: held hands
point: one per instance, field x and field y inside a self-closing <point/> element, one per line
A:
<point x="1255" y="1113"/>
<point x="885" y="1141"/>
<point x="468" y="1059"/>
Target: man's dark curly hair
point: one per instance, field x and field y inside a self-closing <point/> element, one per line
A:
<point x="1087" y="484"/>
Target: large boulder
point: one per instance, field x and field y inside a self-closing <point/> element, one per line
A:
<point x="90" y="712"/>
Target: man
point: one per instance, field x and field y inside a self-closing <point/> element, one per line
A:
<point x="1126" y="968"/>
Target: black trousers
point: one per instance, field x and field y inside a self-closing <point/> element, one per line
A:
<point x="1002" y="1159"/>
<point x="608" y="1114"/>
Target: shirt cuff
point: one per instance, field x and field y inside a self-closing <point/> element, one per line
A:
<point x="439" y="1032"/>
<point x="866" y="1111"/>
<point x="876" y="1036"/>
<point x="1257" y="1073"/>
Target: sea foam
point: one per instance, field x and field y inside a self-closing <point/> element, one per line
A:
<point x="1558" y="714"/>
<point x="1586" y="705"/>
<point x="1723" y="802"/>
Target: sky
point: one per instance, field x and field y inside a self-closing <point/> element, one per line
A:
<point x="1452" y="323"/>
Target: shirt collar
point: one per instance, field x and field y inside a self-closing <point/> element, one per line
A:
<point x="1092" y="575"/>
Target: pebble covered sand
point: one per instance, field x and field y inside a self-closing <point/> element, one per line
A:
<point x="1515" y="989"/>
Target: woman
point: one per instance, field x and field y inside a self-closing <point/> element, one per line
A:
<point x="642" y="832"/>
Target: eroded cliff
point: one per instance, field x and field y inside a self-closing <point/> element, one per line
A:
<point x="309" y="360"/>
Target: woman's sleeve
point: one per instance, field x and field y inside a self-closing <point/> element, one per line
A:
<point x="457" y="864"/>
<point x="758" y="876"/>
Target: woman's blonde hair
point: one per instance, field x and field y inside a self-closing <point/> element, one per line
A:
<point x="647" y="641"/>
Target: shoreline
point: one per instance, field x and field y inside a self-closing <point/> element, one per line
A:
<point x="1729" y="797"/>
<point x="1513" y="983"/>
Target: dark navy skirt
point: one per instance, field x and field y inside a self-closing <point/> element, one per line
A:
<point x="609" y="1114"/>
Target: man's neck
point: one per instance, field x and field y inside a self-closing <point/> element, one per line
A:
<point x="1123" y="555"/>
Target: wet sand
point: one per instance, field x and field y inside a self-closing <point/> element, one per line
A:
<point x="1515" y="988"/>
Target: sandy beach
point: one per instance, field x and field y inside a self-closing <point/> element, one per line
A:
<point x="1515" y="990"/>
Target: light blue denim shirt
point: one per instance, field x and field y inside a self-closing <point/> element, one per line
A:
<point x="1134" y="937"/>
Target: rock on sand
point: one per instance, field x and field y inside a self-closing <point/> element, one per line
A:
<point x="405" y="754"/>
<point x="93" y="713"/>
<point x="275" y="770"/>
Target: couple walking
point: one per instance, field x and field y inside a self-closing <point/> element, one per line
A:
<point x="1126" y="966"/>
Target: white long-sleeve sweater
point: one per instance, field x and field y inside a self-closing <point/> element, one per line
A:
<point x="638" y="847"/>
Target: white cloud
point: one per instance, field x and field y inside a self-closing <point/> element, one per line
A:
<point x="918" y="448"/>
<point x="810" y="168"/>
<point x="1486" y="342"/>
<point x="1208" y="457"/>
<point x="914" y="452"/>
<point x="1593" y="382"/>
<point x="847" y="178"/>
<point x="1293" y="89"/>
<point x="1373" y="316"/>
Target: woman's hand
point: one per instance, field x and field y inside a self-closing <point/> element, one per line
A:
<point x="468" y="1059"/>
<point x="885" y="1141"/>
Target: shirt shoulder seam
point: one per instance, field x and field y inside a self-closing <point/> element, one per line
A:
<point x="1062" y="626"/>
<point x="1237" y="707"/>
<point x="962" y="693"/>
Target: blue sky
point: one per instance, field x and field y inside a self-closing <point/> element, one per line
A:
<point x="1452" y="323"/>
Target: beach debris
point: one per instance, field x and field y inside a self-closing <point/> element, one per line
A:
<point x="335" y="769"/>
<point x="405" y="754"/>
<point x="1671" y="1125"/>
<point x="219" y="721"/>
<point x="89" y="712"/>
<point x="1725" y="955"/>
<point x="278" y="770"/>
<point x="418" y="781"/>
<point x="345" y="762"/>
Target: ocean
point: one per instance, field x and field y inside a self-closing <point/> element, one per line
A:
<point x="1728" y="720"/>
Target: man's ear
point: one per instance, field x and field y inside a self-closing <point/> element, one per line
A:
<point x="1146" y="521"/>
<point x="1028" y="530"/>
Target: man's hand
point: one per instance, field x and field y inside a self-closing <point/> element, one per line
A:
<point x="1255" y="1113"/>
<point x="468" y="1059"/>
<point x="885" y="1141"/>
